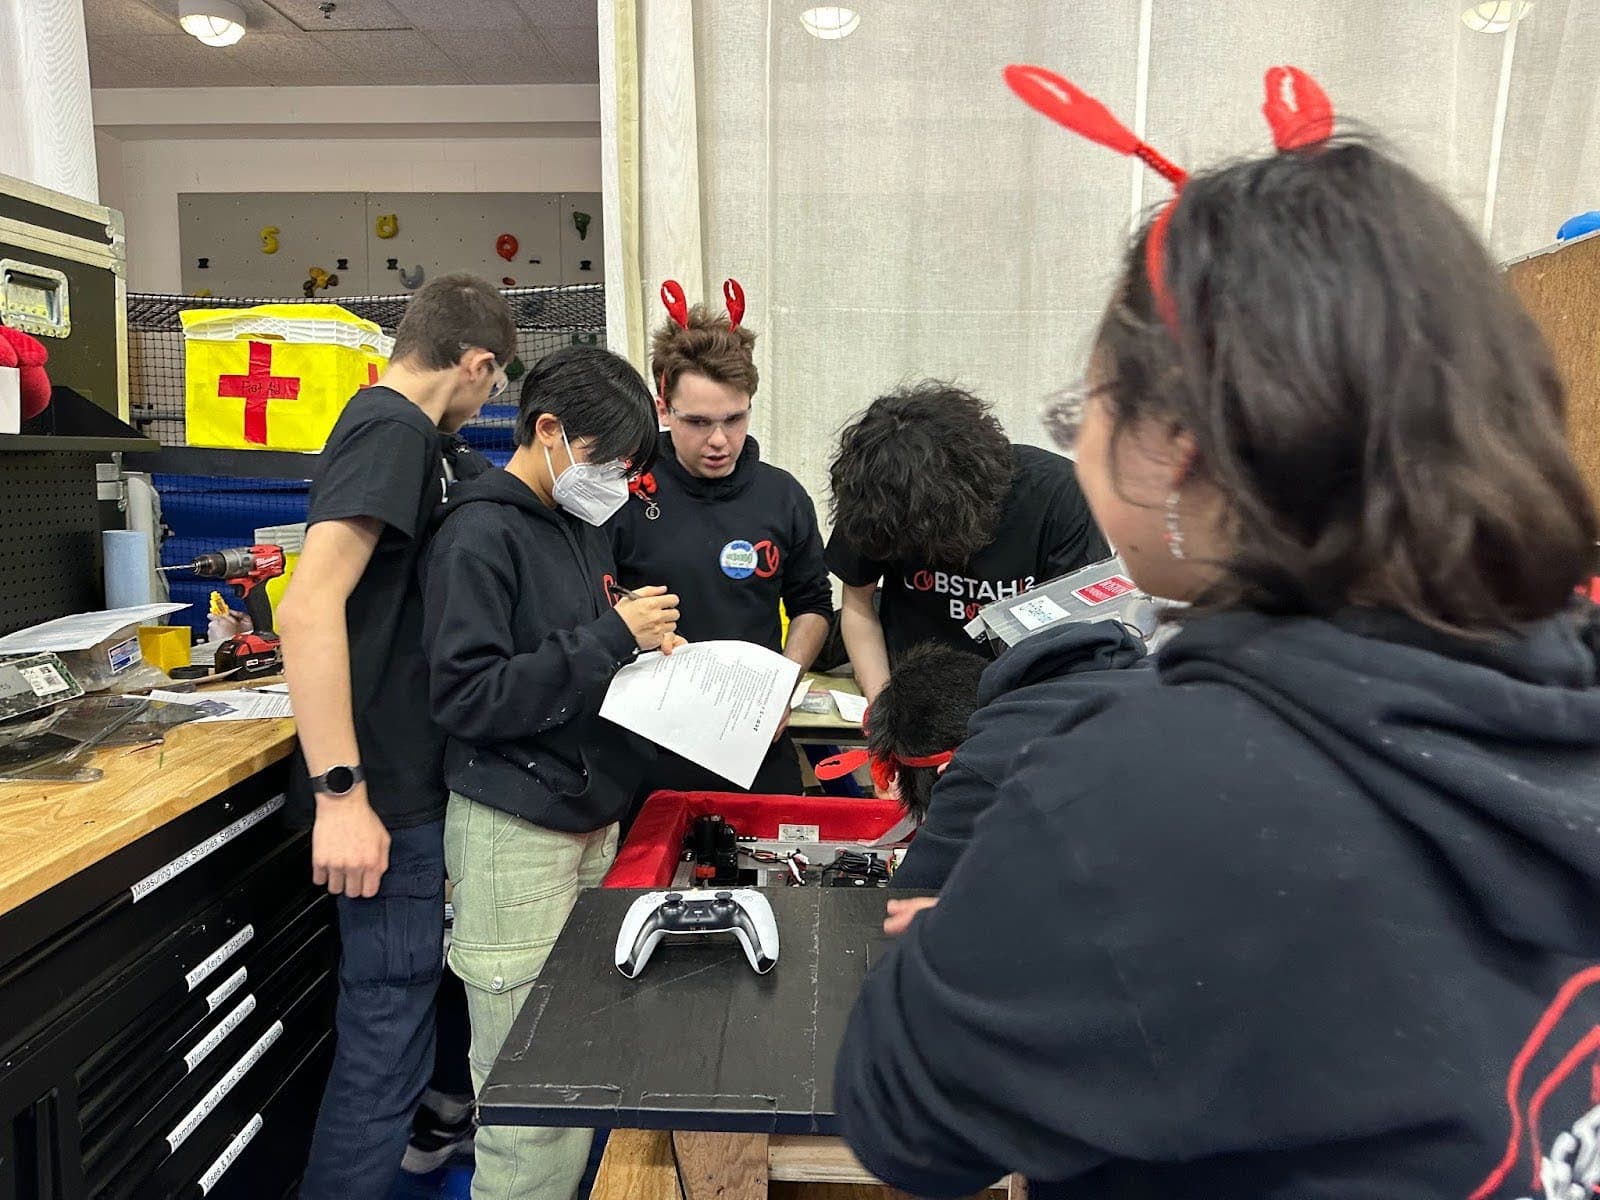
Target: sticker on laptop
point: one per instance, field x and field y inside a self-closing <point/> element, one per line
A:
<point x="1038" y="612"/>
<point x="1106" y="590"/>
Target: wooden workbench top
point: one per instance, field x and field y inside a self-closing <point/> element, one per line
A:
<point x="51" y="831"/>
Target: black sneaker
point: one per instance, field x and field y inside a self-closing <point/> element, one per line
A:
<point x="435" y="1142"/>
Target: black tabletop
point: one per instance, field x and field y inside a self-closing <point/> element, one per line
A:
<point x="699" y="1041"/>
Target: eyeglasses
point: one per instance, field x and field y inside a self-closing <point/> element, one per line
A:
<point x="501" y="381"/>
<point x="706" y="425"/>
<point x="500" y="384"/>
<point x="1063" y="413"/>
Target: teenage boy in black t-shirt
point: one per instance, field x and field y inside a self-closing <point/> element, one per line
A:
<point x="368" y="777"/>
<point x="733" y="536"/>
<point x="932" y="499"/>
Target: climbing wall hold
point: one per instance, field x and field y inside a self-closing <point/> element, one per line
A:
<point x="269" y="239"/>
<point x="387" y="225"/>
<point x="506" y="246"/>
<point x="580" y="222"/>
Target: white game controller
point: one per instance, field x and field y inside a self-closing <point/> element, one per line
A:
<point x="743" y="912"/>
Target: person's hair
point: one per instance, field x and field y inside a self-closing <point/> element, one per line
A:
<point x="709" y="347"/>
<point x="597" y="395"/>
<point x="1381" y="417"/>
<point x="922" y="474"/>
<point x="450" y="315"/>
<point x="923" y="710"/>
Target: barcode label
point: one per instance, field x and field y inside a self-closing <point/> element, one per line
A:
<point x="226" y="1084"/>
<point x="194" y="854"/>
<point x="208" y="966"/>
<point x="215" y="1038"/>
<point x="45" y="680"/>
<point x="230" y="1153"/>
<point x="229" y="986"/>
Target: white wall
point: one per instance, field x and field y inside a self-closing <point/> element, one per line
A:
<point x="156" y="144"/>
<point x="154" y="173"/>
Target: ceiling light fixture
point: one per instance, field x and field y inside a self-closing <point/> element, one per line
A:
<point x="1495" y="16"/>
<point x="830" y="22"/>
<point x="214" y="22"/>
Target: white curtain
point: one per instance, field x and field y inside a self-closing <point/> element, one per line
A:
<point x="46" y="127"/>
<point x="894" y="213"/>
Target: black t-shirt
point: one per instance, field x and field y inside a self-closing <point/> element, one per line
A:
<point x="1045" y="531"/>
<point x="385" y="460"/>
<point x="731" y="548"/>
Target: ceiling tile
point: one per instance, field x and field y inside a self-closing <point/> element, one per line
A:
<point x="177" y="61"/>
<point x="578" y="46"/>
<point x="429" y="15"/>
<point x="569" y="13"/>
<point x="345" y="14"/>
<point x="397" y="57"/>
<point x="120" y="18"/>
<point x="487" y="56"/>
<point x="296" y="58"/>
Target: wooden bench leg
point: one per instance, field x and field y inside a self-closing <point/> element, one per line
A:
<point x="638" y="1164"/>
<point x="722" y="1166"/>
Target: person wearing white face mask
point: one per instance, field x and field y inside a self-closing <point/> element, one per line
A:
<point x="525" y="627"/>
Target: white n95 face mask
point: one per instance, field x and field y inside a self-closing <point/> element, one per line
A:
<point x="592" y="492"/>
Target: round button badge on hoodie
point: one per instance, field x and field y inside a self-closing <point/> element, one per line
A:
<point x="738" y="559"/>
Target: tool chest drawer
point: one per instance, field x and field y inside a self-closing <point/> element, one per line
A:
<point x="162" y="999"/>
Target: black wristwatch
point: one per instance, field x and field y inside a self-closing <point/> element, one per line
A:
<point x="337" y="781"/>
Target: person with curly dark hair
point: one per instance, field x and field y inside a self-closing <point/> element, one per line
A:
<point x="1305" y="909"/>
<point x="933" y="501"/>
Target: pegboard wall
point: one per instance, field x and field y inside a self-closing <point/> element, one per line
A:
<point x="49" y="538"/>
<point x="271" y="244"/>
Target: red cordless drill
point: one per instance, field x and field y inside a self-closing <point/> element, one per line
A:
<point x="247" y="568"/>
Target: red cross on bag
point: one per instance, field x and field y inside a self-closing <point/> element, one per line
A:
<point x="257" y="388"/>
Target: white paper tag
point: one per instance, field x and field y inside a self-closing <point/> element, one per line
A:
<point x="229" y="986"/>
<point x="194" y="854"/>
<point x="215" y="1038"/>
<point x="181" y="1131"/>
<point x="799" y="833"/>
<point x="229" y="1154"/>
<point x="1038" y="612"/>
<point x="10" y="400"/>
<point x="207" y="966"/>
<point x="45" y="680"/>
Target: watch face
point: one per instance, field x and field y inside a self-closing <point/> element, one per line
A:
<point x="339" y="780"/>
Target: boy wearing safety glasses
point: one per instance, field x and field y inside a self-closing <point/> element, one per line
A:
<point x="523" y="641"/>
<point x="734" y="536"/>
<point x="368" y="776"/>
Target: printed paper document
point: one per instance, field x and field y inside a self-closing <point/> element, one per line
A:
<point x="717" y="704"/>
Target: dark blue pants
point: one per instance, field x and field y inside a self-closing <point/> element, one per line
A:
<point x="391" y="954"/>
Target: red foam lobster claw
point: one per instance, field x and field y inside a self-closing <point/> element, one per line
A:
<point x="1067" y="104"/>
<point x="1297" y="109"/>
<point x="676" y="303"/>
<point x="733" y="297"/>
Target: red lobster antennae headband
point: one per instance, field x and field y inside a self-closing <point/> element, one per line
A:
<point x="677" y="305"/>
<point x="884" y="770"/>
<point x="1296" y="108"/>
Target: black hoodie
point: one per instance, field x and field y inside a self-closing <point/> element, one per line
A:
<point x="1313" y="914"/>
<point x="522" y="645"/>
<point x="730" y="548"/>
<point x="1026" y="692"/>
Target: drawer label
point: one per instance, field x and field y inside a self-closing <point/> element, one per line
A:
<point x="214" y="1039"/>
<point x="208" y="966"/>
<point x="230" y="1152"/>
<point x="194" y="854"/>
<point x="181" y="1131"/>
<point x="229" y="986"/>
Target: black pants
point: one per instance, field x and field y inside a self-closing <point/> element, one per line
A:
<point x="451" y="1073"/>
<point x="779" y="776"/>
